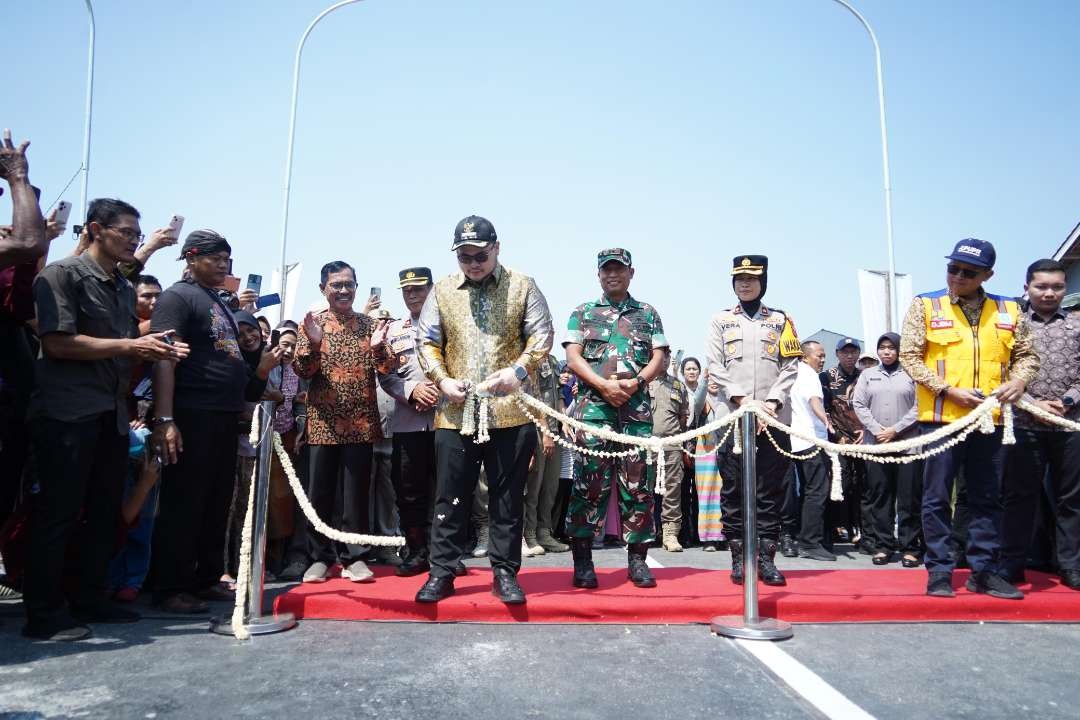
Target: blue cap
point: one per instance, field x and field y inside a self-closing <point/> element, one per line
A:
<point x="844" y="342"/>
<point x="974" y="252"/>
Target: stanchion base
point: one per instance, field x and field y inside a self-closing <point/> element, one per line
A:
<point x="261" y="625"/>
<point x="735" y="626"/>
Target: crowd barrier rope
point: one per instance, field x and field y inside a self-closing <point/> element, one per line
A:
<point x="980" y="418"/>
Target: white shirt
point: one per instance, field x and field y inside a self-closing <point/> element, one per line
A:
<point x="807" y="385"/>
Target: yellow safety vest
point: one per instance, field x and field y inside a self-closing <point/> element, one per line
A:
<point x="965" y="356"/>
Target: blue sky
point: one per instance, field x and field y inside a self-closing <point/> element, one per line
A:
<point x="687" y="131"/>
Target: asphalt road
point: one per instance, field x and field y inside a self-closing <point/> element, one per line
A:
<point x="174" y="668"/>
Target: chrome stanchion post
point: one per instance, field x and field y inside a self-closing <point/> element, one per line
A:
<point x="750" y="625"/>
<point x="255" y="621"/>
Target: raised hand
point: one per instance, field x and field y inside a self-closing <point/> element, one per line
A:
<point x="14" y="167"/>
<point x="313" y="330"/>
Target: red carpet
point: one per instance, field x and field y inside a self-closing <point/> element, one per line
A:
<point x="683" y="595"/>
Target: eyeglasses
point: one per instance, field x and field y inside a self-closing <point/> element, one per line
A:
<point x="344" y="285"/>
<point x="478" y="259"/>
<point x="128" y="233"/>
<point x="965" y="273"/>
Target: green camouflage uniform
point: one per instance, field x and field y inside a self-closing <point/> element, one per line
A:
<point x="616" y="340"/>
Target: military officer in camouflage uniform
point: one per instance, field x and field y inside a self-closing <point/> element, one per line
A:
<point x="671" y="412"/>
<point x="753" y="354"/>
<point x="615" y="345"/>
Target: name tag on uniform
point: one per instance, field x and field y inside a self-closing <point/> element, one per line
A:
<point x="940" y="324"/>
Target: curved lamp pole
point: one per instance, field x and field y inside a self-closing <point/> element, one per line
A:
<point x="890" y="279"/>
<point x="289" y="152"/>
<point x="89" y="115"/>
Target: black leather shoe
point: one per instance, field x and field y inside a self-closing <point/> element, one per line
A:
<point x="939" y="584"/>
<point x="770" y="574"/>
<point x="435" y="589"/>
<point x="994" y="585"/>
<point x="1071" y="579"/>
<point x="637" y="569"/>
<point x="788" y="547"/>
<point x="584" y="572"/>
<point x="460" y="570"/>
<point x="736" y="547"/>
<point x="910" y="561"/>
<point x="505" y="587"/>
<point x="413" y="564"/>
<point x="882" y="558"/>
<point x="104" y="612"/>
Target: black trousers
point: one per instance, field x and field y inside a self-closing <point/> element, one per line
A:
<point x="771" y="467"/>
<point x="1035" y="453"/>
<point x="18" y="347"/>
<point x="297" y="547"/>
<point x="848" y="512"/>
<point x="345" y="471"/>
<point x="814" y="477"/>
<point x="189" y="535"/>
<point x="81" y="469"/>
<point x="505" y="459"/>
<point x="791" y="506"/>
<point x="412" y="470"/>
<point x="893" y="496"/>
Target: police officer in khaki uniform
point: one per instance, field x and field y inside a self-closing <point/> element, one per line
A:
<point x="412" y="425"/>
<point x="753" y="353"/>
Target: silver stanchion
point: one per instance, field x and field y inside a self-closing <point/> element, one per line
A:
<point x="254" y="620"/>
<point x="750" y="625"/>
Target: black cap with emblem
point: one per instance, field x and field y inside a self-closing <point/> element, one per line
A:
<point x="474" y="230"/>
<point x="414" y="276"/>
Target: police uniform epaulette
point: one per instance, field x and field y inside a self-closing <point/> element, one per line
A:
<point x="676" y="383"/>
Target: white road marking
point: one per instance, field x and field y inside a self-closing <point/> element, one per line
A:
<point x="823" y="696"/>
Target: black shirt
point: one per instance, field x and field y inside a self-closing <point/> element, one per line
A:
<point x="75" y="296"/>
<point x="213" y="375"/>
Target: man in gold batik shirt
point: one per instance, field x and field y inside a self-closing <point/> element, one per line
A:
<point x="483" y="329"/>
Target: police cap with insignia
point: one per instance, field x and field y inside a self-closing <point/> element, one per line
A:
<point x="414" y="276"/>
<point x="474" y="230"/>
<point x="749" y="265"/>
<point x="847" y="342"/>
<point x="617" y="254"/>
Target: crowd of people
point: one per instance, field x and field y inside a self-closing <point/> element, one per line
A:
<point x="125" y="408"/>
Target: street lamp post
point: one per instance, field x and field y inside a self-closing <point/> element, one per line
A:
<point x="89" y="115"/>
<point x="890" y="278"/>
<point x="292" y="137"/>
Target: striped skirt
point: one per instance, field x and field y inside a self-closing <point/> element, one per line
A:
<point x="707" y="480"/>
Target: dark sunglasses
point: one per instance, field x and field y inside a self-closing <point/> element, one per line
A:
<point x="478" y="259"/>
<point x="962" y="272"/>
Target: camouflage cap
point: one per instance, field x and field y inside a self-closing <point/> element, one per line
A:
<point x="616" y="254"/>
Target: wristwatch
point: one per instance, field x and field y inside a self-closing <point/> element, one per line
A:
<point x="520" y="372"/>
<point x="163" y="419"/>
<point x="640" y="383"/>
<point x="1068" y="401"/>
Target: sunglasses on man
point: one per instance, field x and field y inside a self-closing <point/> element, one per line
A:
<point x="478" y="259"/>
<point x="966" y="273"/>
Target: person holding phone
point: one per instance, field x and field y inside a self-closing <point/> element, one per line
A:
<point x="79" y="421"/>
<point x="197" y="406"/>
<point x="961" y="344"/>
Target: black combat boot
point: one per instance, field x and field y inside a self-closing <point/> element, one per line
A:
<point x="584" y="572"/>
<point x="638" y="570"/>
<point x="770" y="575"/>
<point x="416" y="560"/>
<point x="736" y="547"/>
